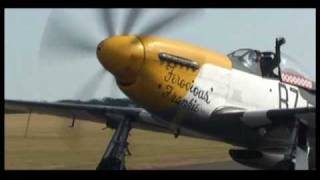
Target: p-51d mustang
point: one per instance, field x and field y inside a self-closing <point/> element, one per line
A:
<point x="246" y="99"/>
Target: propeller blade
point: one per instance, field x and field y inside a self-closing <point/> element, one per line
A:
<point x="91" y="86"/>
<point x="105" y="16"/>
<point x="167" y="21"/>
<point x="131" y="19"/>
<point x="65" y="38"/>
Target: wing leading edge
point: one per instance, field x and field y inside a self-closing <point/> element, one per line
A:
<point x="110" y="115"/>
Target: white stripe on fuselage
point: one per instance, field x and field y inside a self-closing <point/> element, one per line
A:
<point x="216" y="87"/>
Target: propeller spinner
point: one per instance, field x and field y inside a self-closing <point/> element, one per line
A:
<point x="123" y="56"/>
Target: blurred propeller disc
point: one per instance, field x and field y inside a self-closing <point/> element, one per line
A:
<point x="92" y="85"/>
<point x="68" y="38"/>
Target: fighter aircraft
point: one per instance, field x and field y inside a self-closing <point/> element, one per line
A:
<point x="247" y="98"/>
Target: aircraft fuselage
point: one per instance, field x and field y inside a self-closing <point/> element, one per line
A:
<point x="185" y="85"/>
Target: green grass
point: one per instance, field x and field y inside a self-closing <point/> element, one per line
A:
<point x="51" y="144"/>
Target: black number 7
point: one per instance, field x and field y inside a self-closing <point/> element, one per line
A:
<point x="296" y="92"/>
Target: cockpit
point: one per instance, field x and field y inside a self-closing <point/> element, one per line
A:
<point x="254" y="62"/>
<point x="265" y="64"/>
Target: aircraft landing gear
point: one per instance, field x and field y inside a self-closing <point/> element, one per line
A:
<point x="297" y="156"/>
<point x="114" y="156"/>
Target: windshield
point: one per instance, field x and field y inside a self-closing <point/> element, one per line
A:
<point x="245" y="60"/>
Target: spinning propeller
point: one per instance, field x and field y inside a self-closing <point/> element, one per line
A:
<point x="68" y="38"/>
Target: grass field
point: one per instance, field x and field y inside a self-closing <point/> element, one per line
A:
<point x="51" y="144"/>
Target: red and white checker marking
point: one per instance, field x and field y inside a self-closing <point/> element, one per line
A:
<point x="296" y="80"/>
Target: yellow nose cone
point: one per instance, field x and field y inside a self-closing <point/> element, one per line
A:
<point x="123" y="56"/>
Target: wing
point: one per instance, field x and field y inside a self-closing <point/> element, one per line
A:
<point x="300" y="121"/>
<point x="276" y="117"/>
<point x="110" y="115"/>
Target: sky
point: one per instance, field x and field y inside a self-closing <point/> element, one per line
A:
<point x="28" y="77"/>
